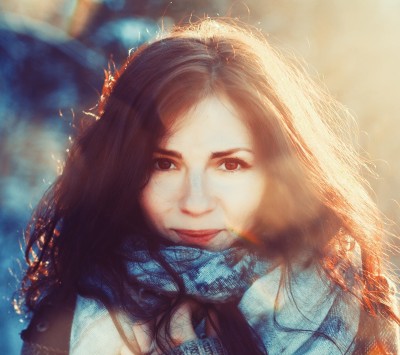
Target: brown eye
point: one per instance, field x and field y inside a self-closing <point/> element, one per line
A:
<point x="163" y="164"/>
<point x="231" y="165"/>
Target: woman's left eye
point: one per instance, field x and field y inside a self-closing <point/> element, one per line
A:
<point x="233" y="165"/>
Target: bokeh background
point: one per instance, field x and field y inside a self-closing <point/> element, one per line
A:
<point x="52" y="57"/>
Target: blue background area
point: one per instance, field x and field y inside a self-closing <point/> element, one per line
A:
<point x="46" y="80"/>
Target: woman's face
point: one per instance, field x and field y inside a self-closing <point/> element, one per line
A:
<point x="207" y="182"/>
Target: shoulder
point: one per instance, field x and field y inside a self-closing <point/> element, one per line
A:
<point x="376" y="296"/>
<point x="79" y="326"/>
<point x="97" y="330"/>
<point x="380" y="332"/>
<point x="49" y="329"/>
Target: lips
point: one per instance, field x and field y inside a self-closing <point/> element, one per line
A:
<point x="198" y="237"/>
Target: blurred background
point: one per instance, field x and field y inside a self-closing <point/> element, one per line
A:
<point x="52" y="59"/>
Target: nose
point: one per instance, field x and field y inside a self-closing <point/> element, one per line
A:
<point x="196" y="199"/>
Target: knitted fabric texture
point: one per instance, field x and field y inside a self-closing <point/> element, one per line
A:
<point x="303" y="315"/>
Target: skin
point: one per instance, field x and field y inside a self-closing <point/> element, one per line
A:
<point x="207" y="182"/>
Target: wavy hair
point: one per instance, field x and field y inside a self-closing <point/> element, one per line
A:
<point x="316" y="200"/>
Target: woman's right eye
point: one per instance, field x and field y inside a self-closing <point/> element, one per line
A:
<point x="163" y="164"/>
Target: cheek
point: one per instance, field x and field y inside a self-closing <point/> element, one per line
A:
<point x="240" y="200"/>
<point x="158" y="197"/>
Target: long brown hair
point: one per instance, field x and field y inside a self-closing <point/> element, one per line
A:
<point x="316" y="197"/>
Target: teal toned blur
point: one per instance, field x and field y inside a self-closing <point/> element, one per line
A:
<point x="52" y="59"/>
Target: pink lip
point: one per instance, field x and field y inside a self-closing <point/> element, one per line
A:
<point x="199" y="237"/>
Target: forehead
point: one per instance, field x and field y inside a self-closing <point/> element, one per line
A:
<point x="212" y="123"/>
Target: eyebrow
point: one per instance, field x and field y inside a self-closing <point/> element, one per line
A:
<point x="214" y="155"/>
<point x="229" y="152"/>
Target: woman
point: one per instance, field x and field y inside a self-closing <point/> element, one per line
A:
<point x="211" y="207"/>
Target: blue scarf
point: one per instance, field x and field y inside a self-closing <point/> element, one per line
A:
<point x="303" y="314"/>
